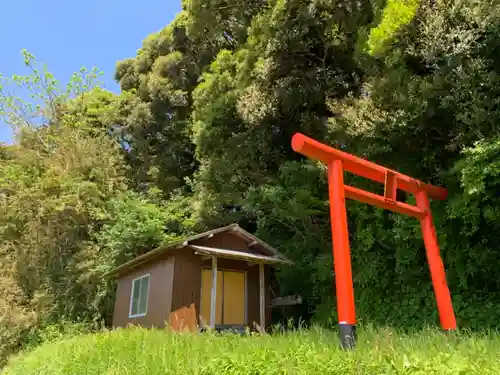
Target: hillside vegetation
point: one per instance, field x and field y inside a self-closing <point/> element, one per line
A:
<point x="143" y="352"/>
<point x="199" y="137"/>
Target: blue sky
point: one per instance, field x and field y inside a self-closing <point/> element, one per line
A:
<point x="67" y="35"/>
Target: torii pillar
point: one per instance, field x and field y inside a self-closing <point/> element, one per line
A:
<point x="338" y="162"/>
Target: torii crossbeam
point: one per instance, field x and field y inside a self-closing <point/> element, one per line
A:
<point x="338" y="162"/>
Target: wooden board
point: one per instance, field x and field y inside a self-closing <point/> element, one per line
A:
<point x="183" y="319"/>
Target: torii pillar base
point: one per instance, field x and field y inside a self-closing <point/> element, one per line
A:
<point x="347" y="335"/>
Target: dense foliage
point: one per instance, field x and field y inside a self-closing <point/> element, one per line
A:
<point x="200" y="137"/>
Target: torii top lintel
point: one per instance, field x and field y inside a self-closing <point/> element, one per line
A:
<point x="364" y="168"/>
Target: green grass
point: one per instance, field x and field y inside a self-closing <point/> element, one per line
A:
<point x="139" y="351"/>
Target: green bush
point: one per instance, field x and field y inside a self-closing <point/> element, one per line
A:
<point x="58" y="331"/>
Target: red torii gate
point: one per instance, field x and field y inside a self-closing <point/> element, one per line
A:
<point x="338" y="162"/>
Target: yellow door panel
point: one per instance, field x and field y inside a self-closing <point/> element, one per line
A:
<point x="206" y="292"/>
<point x="206" y="287"/>
<point x="234" y="297"/>
<point x="219" y="298"/>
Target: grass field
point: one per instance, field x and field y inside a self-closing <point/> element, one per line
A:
<point x="149" y="352"/>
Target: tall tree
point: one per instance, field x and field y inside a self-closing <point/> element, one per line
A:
<point x="252" y="100"/>
<point x="65" y="205"/>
